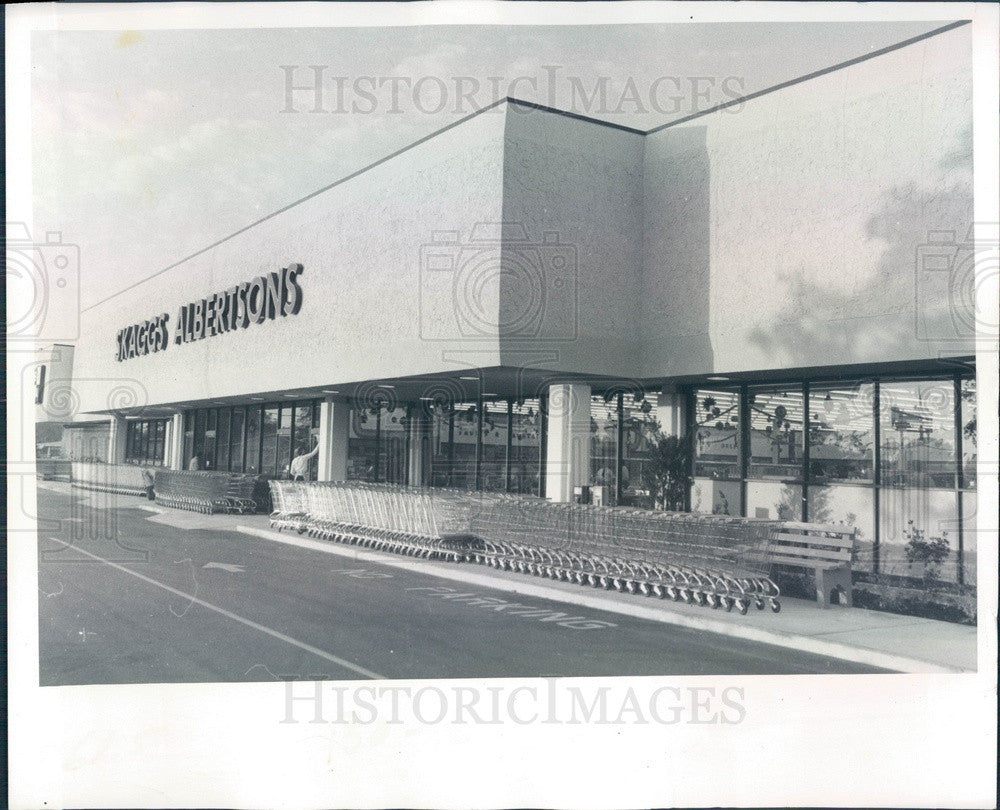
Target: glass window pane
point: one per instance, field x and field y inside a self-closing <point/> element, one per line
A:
<point x="362" y="444"/>
<point x="918" y="434"/>
<point x="392" y="445"/>
<point x="236" y="440"/>
<point x="852" y="506"/>
<point x="774" y="500"/>
<point x="200" y="417"/>
<point x="777" y="420"/>
<point x="842" y="433"/>
<point x="161" y="433"/>
<point x="714" y="497"/>
<point x="970" y="536"/>
<point x="188" y="437"/>
<point x="268" y="435"/>
<point x="717" y="434"/>
<point x="130" y="441"/>
<point x="284" y="453"/>
<point x="604" y="445"/>
<point x="525" y="431"/>
<point x="252" y="461"/>
<point x="919" y="533"/>
<point x="466" y="425"/>
<point x="493" y="472"/>
<point x="440" y="427"/>
<point x="970" y="450"/>
<point x="222" y="439"/>
<point x="305" y="439"/>
<point x="211" y="430"/>
<point x="642" y="461"/>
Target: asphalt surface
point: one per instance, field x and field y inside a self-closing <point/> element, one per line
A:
<point x="124" y="599"/>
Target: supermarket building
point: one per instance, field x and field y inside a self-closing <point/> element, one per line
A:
<point x="531" y="301"/>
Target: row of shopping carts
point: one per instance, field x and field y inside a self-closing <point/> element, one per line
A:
<point x="712" y="560"/>
<point x="119" y="479"/>
<point x="417" y="522"/>
<point x="716" y="561"/>
<point x="205" y="491"/>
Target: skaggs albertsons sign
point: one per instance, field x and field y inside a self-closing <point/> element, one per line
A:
<point x="255" y="301"/>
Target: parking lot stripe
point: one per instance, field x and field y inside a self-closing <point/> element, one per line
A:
<point x="230" y="615"/>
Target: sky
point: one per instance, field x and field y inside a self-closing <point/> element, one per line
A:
<point x="147" y="146"/>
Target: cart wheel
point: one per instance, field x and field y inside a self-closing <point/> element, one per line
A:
<point x="685" y="596"/>
<point x="742" y="606"/>
<point x="759" y="603"/>
<point x="727" y="603"/>
<point x="658" y="591"/>
<point x="775" y="606"/>
<point x="713" y="603"/>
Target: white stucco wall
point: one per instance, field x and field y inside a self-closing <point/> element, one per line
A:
<point x="786" y="234"/>
<point x="783" y="235"/>
<point x="580" y="182"/>
<point x="364" y="313"/>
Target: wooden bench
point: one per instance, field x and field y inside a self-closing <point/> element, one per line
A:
<point x="824" y="548"/>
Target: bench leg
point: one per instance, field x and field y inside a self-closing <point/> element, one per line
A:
<point x="828" y="580"/>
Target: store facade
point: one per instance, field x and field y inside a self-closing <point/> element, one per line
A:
<point x="530" y="301"/>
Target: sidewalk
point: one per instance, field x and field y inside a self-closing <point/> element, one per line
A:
<point x="887" y="640"/>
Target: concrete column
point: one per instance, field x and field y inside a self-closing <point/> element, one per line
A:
<point x="567" y="448"/>
<point x="670" y="413"/>
<point x="175" y="443"/>
<point x="117" y="433"/>
<point x="419" y="436"/>
<point x="334" y="430"/>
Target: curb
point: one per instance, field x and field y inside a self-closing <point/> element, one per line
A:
<point x="858" y="655"/>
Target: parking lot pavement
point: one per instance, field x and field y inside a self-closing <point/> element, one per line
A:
<point x="124" y="598"/>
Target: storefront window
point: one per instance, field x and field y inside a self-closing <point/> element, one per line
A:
<point x="970" y="449"/>
<point x="493" y="469"/>
<point x="717" y="439"/>
<point x="466" y="428"/>
<point x="852" y="506"/>
<point x="362" y="444"/>
<point x="145" y="442"/>
<point x="284" y="441"/>
<point x="918" y="434"/>
<point x="525" y="443"/>
<point x="252" y="461"/>
<point x="640" y="455"/>
<point x="306" y="437"/>
<point x="209" y="455"/>
<point x="842" y="433"/>
<point x="604" y="446"/>
<point x="777" y="422"/>
<point x="913" y="522"/>
<point x="200" y="420"/>
<point x="393" y="445"/>
<point x="236" y="440"/>
<point x="775" y="500"/>
<point x="268" y="442"/>
<point x="222" y="438"/>
<point x="441" y="445"/>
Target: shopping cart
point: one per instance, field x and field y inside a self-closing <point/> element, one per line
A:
<point x="709" y="560"/>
